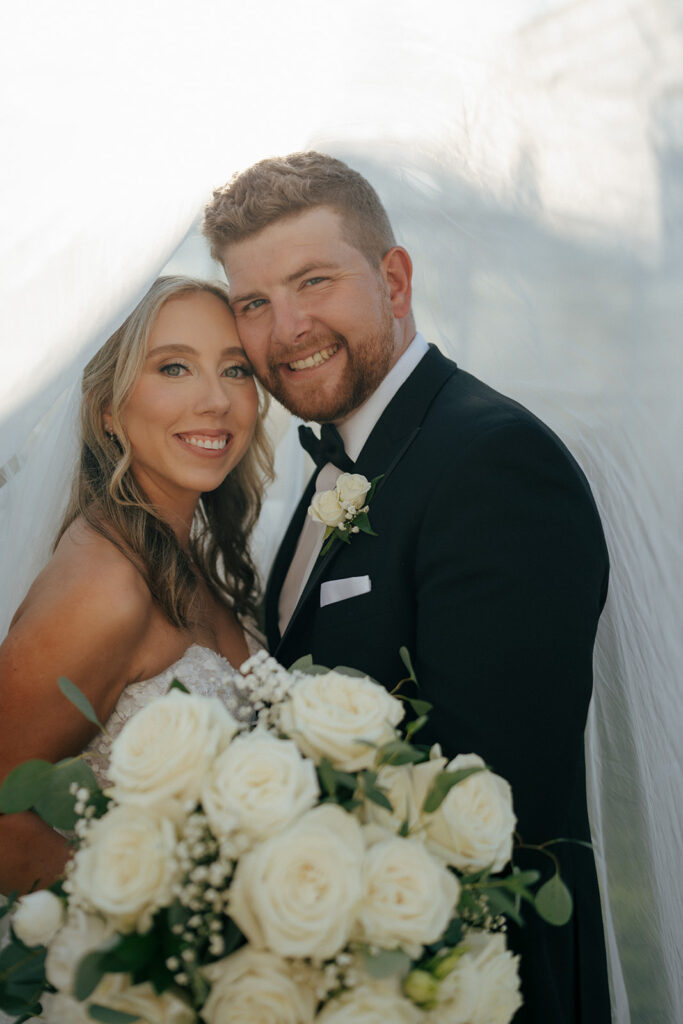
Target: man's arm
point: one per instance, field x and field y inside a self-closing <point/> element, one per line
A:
<point x="511" y="575"/>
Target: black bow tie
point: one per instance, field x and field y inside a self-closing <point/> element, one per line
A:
<point x="328" y="448"/>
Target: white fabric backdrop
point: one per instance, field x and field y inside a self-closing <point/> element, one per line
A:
<point x="531" y="158"/>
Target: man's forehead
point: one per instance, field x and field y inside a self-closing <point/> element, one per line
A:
<point x="282" y="246"/>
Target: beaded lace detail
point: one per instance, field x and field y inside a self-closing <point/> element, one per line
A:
<point x="200" y="669"/>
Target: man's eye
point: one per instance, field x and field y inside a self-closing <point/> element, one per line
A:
<point x="313" y="280"/>
<point x="173" y="369"/>
<point x="237" y="371"/>
<point x="254" y="304"/>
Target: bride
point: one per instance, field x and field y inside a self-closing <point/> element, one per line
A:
<point x="151" y="572"/>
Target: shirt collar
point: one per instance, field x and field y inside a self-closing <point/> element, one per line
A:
<point x="356" y="428"/>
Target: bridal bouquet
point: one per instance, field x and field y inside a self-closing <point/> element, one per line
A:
<point x="315" y="865"/>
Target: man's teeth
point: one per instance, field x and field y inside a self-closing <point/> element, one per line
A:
<point x="204" y="442"/>
<point x="317" y="359"/>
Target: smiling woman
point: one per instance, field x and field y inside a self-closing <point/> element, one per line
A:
<point x="151" y="566"/>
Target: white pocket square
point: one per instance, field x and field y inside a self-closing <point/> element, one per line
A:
<point x="340" y="590"/>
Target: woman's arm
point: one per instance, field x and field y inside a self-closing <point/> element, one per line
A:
<point x="84" y="619"/>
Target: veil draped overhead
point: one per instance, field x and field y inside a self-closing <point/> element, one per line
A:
<point x="530" y="156"/>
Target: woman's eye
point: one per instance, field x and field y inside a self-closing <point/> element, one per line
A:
<point x="238" y="371"/>
<point x="173" y="369"/>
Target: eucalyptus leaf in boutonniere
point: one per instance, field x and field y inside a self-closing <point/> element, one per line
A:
<point x="344" y="510"/>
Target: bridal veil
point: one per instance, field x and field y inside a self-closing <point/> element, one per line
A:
<point x="530" y="155"/>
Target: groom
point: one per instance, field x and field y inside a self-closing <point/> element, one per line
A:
<point x="489" y="562"/>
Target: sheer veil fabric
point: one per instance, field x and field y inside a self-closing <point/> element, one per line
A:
<point x="530" y="157"/>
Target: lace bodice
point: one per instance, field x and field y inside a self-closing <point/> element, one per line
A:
<point x="200" y="669"/>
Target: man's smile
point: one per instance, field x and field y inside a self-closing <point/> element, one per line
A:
<point x="316" y="359"/>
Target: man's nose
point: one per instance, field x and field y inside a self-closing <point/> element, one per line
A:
<point x="291" y="322"/>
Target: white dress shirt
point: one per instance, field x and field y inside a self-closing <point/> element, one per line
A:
<point x="355" y="429"/>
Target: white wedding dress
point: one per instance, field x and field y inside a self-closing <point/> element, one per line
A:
<point x="201" y="670"/>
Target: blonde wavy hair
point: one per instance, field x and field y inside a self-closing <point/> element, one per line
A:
<point x="108" y="497"/>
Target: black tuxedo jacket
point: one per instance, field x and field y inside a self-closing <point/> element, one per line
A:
<point x="490" y="566"/>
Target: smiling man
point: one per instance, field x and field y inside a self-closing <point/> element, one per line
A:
<point x="489" y="561"/>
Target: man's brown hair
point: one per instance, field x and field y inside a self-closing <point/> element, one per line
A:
<point x="281" y="187"/>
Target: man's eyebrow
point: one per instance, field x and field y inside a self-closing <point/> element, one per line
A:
<point x="299" y="272"/>
<point x="171" y="347"/>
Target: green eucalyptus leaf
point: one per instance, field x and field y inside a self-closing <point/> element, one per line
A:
<point x="346" y="780"/>
<point x="398" y="752"/>
<point x="443" y="784"/>
<point x="302" y="663"/>
<point x="379" y="797"/>
<point x="347" y="670"/>
<point x="107" y="1015"/>
<point x="56" y="804"/>
<point x="23" y="786"/>
<point x="177" y="685"/>
<point x="232" y="937"/>
<point x="519" y="880"/>
<point x="133" y="950"/>
<point x="554" y="902"/>
<point x="500" y="902"/>
<point x="327" y="776"/>
<point x="79" y="700"/>
<point x="415" y="726"/>
<point x="11" y="900"/>
<point x="455" y="931"/>
<point x="89" y="974"/>
<point x="315" y="670"/>
<point x="22" y="976"/>
<point x="350" y="805"/>
<point x="420" y="707"/>
<point x="404" y="655"/>
<point x="386" y="962"/>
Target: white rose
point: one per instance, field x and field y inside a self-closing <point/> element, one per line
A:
<point x="258" y="785"/>
<point x="483" y="987"/>
<point x="327" y="715"/>
<point x="352" y="488"/>
<point x="81" y="934"/>
<point x="254" y="985"/>
<point x="38" y="917"/>
<point x="127" y="868"/>
<point x="473" y="828"/>
<point x="165" y="749"/>
<point x="409" y="896"/>
<point x="297" y="893"/>
<point x="375" y="1002"/>
<point x="325" y="508"/>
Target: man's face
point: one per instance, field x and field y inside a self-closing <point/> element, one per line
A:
<point x="315" y="319"/>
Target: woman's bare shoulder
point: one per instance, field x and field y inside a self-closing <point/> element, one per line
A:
<point x="90" y="577"/>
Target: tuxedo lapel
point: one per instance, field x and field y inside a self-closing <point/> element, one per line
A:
<point x="281" y="564"/>
<point x="395" y="431"/>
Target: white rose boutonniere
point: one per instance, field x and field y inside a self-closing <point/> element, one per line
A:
<point x="344" y="510"/>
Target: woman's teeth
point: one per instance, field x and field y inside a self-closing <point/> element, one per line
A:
<point x="216" y="443"/>
<point x="317" y="359"/>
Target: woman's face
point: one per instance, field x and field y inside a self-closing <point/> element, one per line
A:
<point x="191" y="416"/>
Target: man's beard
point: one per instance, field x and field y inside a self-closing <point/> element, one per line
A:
<point x="366" y="367"/>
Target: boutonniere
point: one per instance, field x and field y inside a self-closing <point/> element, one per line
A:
<point x="344" y="510"/>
